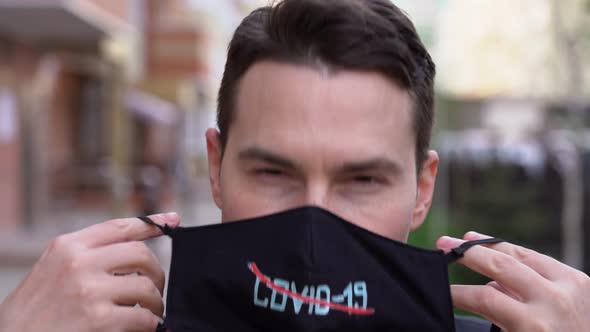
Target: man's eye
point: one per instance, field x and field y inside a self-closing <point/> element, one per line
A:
<point x="367" y="182"/>
<point x="366" y="179"/>
<point x="269" y="172"/>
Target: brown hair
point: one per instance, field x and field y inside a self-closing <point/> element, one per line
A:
<point x="341" y="34"/>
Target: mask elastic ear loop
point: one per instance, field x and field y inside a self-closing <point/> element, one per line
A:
<point x="165" y="229"/>
<point x="458" y="252"/>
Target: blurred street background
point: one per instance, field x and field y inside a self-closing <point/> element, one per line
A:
<point x="104" y="106"/>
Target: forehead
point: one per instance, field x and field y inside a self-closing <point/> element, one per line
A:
<point x="294" y="107"/>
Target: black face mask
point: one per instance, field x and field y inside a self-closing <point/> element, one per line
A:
<point x="304" y="270"/>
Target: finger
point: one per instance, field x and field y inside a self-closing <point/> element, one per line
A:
<point x="123" y="230"/>
<point x="130" y="257"/>
<point x="134" y="319"/>
<point x="130" y="290"/>
<point x="499" y="288"/>
<point x="488" y="302"/>
<point x="516" y="277"/>
<point x="546" y="266"/>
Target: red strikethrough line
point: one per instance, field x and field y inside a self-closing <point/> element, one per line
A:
<point x="306" y="299"/>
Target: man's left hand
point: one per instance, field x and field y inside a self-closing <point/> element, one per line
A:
<point x="529" y="291"/>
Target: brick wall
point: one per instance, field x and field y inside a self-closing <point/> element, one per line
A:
<point x="173" y="39"/>
<point x="10" y="189"/>
<point x="10" y="158"/>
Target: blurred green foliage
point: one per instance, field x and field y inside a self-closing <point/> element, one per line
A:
<point x="496" y="200"/>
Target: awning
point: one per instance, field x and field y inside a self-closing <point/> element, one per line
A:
<point x="57" y="21"/>
<point x="151" y="108"/>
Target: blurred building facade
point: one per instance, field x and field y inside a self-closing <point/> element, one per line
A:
<point x="59" y="93"/>
<point x="103" y="106"/>
<point x="90" y="102"/>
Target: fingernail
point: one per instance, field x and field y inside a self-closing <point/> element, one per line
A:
<point x="473" y="234"/>
<point x="448" y="241"/>
<point x="171" y="215"/>
<point x="167" y="217"/>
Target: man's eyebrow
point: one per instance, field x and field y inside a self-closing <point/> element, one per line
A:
<point x="256" y="153"/>
<point x="374" y="164"/>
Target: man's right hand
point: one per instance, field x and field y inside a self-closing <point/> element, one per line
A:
<point x="102" y="278"/>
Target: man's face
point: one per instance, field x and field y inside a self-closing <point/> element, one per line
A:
<point x="342" y="141"/>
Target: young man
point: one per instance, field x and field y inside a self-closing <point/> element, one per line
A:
<point x="326" y="103"/>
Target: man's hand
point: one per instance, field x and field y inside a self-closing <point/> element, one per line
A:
<point x="102" y="278"/>
<point x="530" y="291"/>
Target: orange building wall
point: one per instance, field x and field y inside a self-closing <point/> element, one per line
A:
<point x="172" y="41"/>
<point x="10" y="184"/>
<point x="10" y="159"/>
